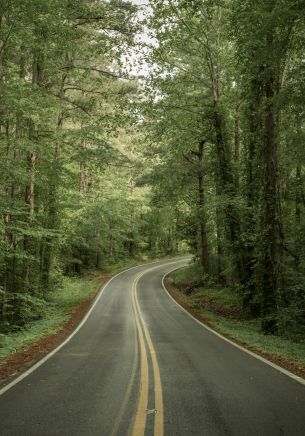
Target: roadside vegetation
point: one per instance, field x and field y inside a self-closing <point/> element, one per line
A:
<point x="200" y="150"/>
<point x="54" y="315"/>
<point x="222" y="309"/>
<point x="225" y="125"/>
<point x="69" y="201"/>
<point x="49" y="325"/>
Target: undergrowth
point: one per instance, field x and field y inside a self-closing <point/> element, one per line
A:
<point x="56" y="312"/>
<point x="222" y="308"/>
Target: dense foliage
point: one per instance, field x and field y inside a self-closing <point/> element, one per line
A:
<point x="205" y="151"/>
<point x="225" y="120"/>
<point x="68" y="201"/>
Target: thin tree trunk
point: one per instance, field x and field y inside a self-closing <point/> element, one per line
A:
<point x="1" y="51"/>
<point x="237" y="146"/>
<point x="298" y="201"/>
<point x="30" y="188"/>
<point x="82" y="178"/>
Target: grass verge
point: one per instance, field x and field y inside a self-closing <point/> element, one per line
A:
<point x="58" y="310"/>
<point x="65" y="309"/>
<point x="221" y="309"/>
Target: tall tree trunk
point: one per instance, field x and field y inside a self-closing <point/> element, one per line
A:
<point x="252" y="189"/>
<point x="82" y="178"/>
<point x="226" y="173"/>
<point x="37" y="76"/>
<point x="271" y="246"/>
<point x="204" y="255"/>
<point x="237" y="145"/>
<point x="13" y="282"/>
<point x="53" y="220"/>
<point x="227" y="186"/>
<point x="30" y="202"/>
<point x="2" y="44"/>
<point x="219" y="239"/>
<point x="298" y="200"/>
<point x="30" y="187"/>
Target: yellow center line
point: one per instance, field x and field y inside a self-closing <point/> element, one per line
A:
<point x="159" y="412"/>
<point x="141" y="413"/>
<point x="126" y="397"/>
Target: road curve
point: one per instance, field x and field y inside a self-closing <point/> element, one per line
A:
<point x="140" y="366"/>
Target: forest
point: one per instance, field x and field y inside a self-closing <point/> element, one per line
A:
<point x="137" y="130"/>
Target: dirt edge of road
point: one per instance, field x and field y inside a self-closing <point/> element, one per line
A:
<point x="24" y="358"/>
<point x="15" y="364"/>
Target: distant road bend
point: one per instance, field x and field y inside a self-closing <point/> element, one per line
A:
<point x="140" y="366"/>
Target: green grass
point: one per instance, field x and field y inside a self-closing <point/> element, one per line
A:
<point x="245" y="331"/>
<point x="248" y="333"/>
<point x="60" y="306"/>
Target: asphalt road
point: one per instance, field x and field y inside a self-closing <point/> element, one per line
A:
<point x="141" y="366"/>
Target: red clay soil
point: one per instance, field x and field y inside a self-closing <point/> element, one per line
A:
<point x="285" y="363"/>
<point x="27" y="356"/>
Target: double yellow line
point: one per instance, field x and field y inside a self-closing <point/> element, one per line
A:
<point x="142" y="407"/>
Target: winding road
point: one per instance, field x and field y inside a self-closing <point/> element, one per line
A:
<point x="138" y="365"/>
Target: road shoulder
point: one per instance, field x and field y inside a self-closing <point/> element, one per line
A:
<point x="212" y="321"/>
<point x="25" y="356"/>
